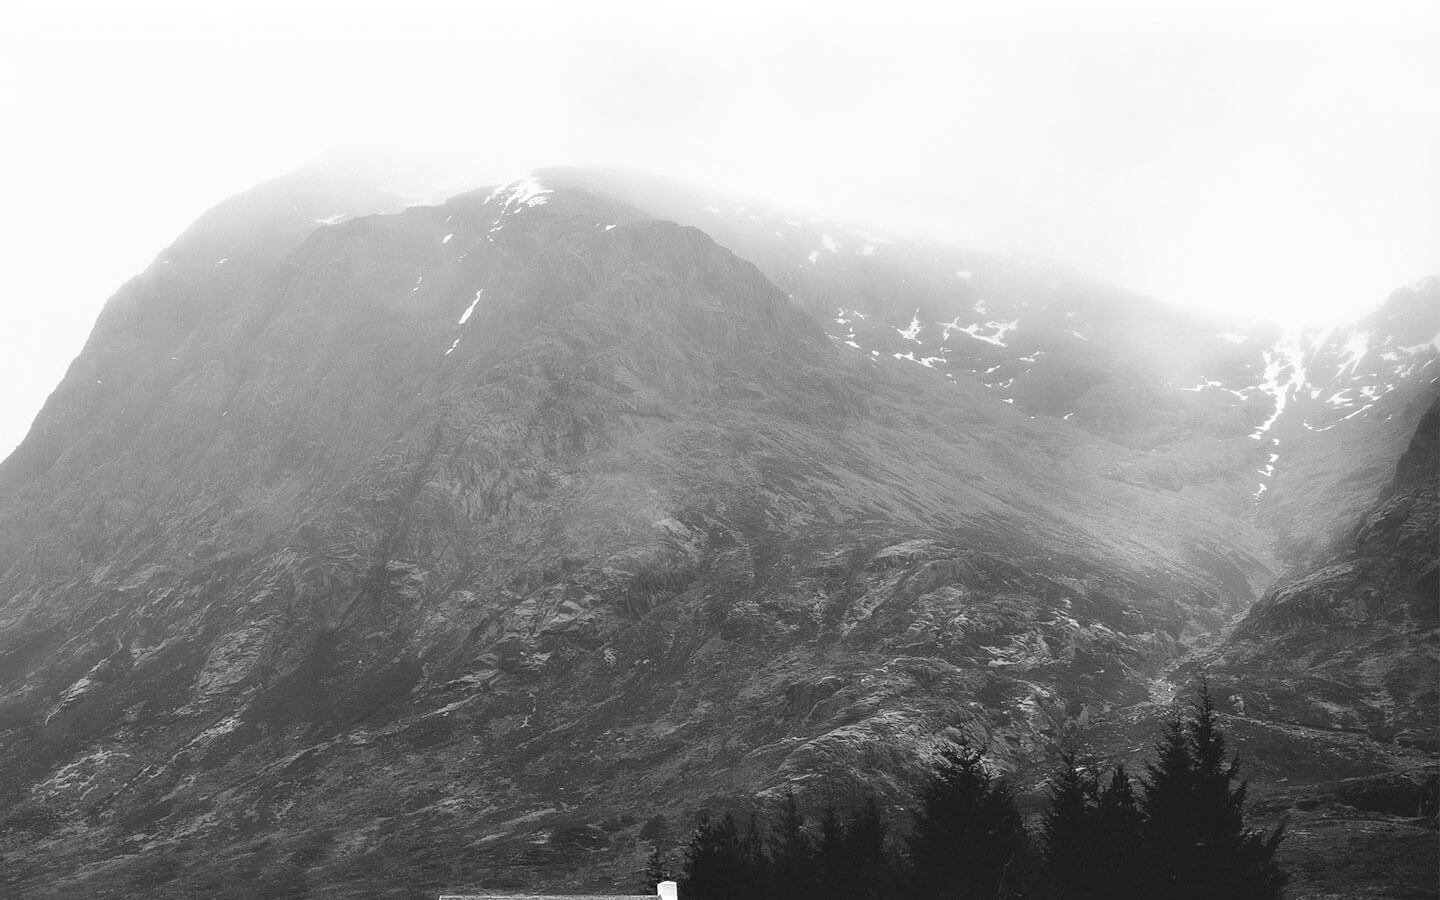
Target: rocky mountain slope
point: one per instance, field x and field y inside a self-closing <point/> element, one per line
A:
<point x="482" y="543"/>
<point x="1334" y="677"/>
<point x="1356" y="396"/>
<point x="1301" y="425"/>
<point x="1354" y="642"/>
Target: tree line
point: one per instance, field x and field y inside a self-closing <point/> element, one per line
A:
<point x="1181" y="835"/>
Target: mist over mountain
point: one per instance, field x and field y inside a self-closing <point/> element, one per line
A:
<point x="371" y="548"/>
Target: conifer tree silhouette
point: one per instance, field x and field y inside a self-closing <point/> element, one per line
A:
<point x="829" y="873"/>
<point x="792" y="853"/>
<point x="1117" y="854"/>
<point x="968" y="840"/>
<point x="752" y="869"/>
<point x="712" y="860"/>
<point x="1069" y="837"/>
<point x="1194" y="838"/>
<point x="867" y="868"/>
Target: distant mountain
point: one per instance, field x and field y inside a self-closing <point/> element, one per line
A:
<point x="483" y="543"/>
<point x="1301" y="425"/>
<point x="1356" y="396"/>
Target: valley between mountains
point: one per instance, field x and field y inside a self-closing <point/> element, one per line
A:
<point x="372" y="548"/>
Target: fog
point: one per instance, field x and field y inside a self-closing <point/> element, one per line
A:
<point x="1272" y="160"/>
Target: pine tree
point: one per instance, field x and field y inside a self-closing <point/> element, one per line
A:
<point x="712" y="860"/>
<point x="1117" y="822"/>
<point x="968" y="840"/>
<point x="752" y="870"/>
<point x="1194" y="838"/>
<point x="867" y="868"/>
<point x="1242" y="860"/>
<point x="1069" y="837"/>
<point x="830" y="873"/>
<point x="792" y="854"/>
<point x="1167" y="806"/>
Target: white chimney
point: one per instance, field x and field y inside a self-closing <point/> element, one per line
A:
<point x="668" y="890"/>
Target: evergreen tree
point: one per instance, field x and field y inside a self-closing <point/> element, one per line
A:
<point x="792" y="854"/>
<point x="1069" y="839"/>
<point x="1167" y="805"/>
<point x="752" y="870"/>
<point x="1194" y="838"/>
<point x="830" y="873"/>
<point x="1117" y="853"/>
<point x="868" y="869"/>
<point x="1242" y="859"/>
<point x="713" y="860"/>
<point x="968" y="841"/>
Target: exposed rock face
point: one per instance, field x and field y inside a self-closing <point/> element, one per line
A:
<point x="449" y="546"/>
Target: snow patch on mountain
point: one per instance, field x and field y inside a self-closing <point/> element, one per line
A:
<point x="926" y="361"/>
<point x="909" y="333"/>
<point x="1354" y="350"/>
<point x="991" y="332"/>
<point x="519" y="194"/>
<point x="1284" y="376"/>
<point x="465" y="316"/>
<point x="1207" y="383"/>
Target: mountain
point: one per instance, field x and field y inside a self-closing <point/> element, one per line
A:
<point x="1353" y="642"/>
<point x="1351" y="645"/>
<point x="214" y="268"/>
<point x="1328" y="690"/>
<point x="482" y="543"/>
<point x="1299" y="425"/>
<point x="1357" y="395"/>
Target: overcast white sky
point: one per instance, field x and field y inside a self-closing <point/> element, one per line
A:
<point x="1272" y="158"/>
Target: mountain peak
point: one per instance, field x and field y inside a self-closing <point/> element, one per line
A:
<point x="709" y="500"/>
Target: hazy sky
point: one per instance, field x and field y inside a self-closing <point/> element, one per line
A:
<point x="1280" y="159"/>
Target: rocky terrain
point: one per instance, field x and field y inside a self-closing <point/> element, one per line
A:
<point x="367" y="551"/>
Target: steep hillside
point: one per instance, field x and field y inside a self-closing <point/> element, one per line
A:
<point x="1354" y="642"/>
<point x="1354" y="401"/>
<point x="454" y="545"/>
<point x="1299" y="426"/>
<point x="216" y="268"/>
<point x="1333" y="676"/>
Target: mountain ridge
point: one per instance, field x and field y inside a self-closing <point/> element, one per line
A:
<point x="462" y="530"/>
